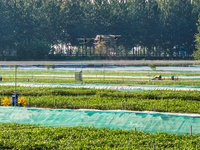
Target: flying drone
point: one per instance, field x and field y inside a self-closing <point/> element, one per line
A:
<point x="85" y="40"/>
<point x="100" y="39"/>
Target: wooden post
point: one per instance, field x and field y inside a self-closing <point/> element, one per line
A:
<point x="191" y="130"/>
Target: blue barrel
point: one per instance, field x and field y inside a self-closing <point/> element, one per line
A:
<point x="172" y="77"/>
<point x="14" y="100"/>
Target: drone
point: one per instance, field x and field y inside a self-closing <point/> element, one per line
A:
<point x="100" y="39"/>
<point x="85" y="40"/>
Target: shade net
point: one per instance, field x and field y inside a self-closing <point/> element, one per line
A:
<point x="147" y="122"/>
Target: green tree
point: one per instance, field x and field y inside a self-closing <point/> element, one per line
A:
<point x="197" y="40"/>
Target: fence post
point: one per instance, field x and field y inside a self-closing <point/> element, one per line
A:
<point x="191" y="130"/>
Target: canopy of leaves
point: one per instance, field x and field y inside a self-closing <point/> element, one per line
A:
<point x="29" y="28"/>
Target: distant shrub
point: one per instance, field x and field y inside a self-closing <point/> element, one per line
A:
<point x="152" y="66"/>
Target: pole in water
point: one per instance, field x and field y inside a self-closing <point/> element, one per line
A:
<point x="191" y="130"/>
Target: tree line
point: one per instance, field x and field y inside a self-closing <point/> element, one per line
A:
<point x="29" y="28"/>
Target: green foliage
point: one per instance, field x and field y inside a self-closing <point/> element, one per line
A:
<point x="104" y="99"/>
<point x="29" y="28"/>
<point x="152" y="66"/>
<point x="28" y="136"/>
<point x="16" y="66"/>
<point x="33" y="49"/>
<point x="53" y="66"/>
<point x="197" y="40"/>
<point x="50" y="72"/>
<point x="47" y="67"/>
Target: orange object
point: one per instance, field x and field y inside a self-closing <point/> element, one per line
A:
<point x="22" y="101"/>
<point x="6" y="102"/>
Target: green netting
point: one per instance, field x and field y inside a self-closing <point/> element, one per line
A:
<point x="147" y="122"/>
